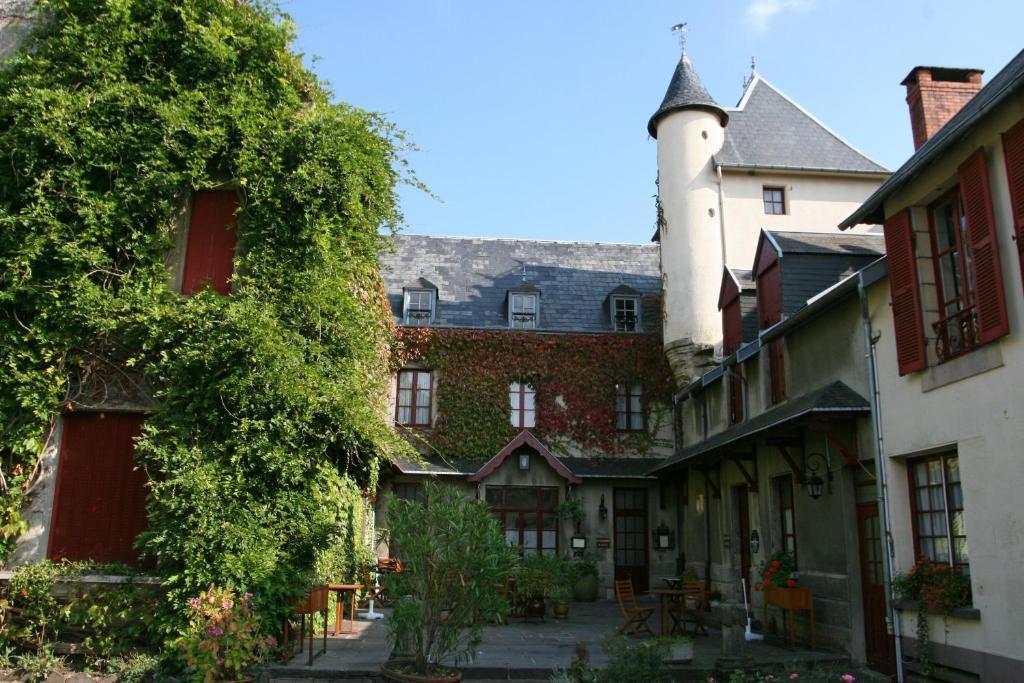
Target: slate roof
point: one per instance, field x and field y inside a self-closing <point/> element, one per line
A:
<point x="813" y="262"/>
<point x="1008" y="82"/>
<point x="769" y="130"/>
<point x="834" y="398"/>
<point x="603" y="467"/>
<point x="685" y="91"/>
<point x="474" y="275"/>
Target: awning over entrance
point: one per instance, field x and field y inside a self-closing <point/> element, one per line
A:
<point x="835" y="399"/>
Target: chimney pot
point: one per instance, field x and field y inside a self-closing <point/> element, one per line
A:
<point x="935" y="94"/>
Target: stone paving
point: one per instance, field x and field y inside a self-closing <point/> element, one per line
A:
<point x="525" y="651"/>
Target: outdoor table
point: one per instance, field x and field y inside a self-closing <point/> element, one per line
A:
<point x="315" y="601"/>
<point x="339" y="611"/>
<point x="791" y="599"/>
<point x="674" y="582"/>
<point x="667" y="595"/>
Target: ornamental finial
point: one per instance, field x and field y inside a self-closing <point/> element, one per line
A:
<point x="680" y="30"/>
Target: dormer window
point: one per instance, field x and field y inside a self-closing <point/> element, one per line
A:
<point x="626" y="313"/>
<point x="419" y="306"/>
<point x="522" y="310"/>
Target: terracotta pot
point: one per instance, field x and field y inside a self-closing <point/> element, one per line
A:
<point x="561" y="609"/>
<point x="585" y="589"/>
<point x="392" y="674"/>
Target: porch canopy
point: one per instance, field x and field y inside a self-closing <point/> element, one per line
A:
<point x="834" y="400"/>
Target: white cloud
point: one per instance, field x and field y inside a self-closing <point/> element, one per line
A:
<point x="761" y="12"/>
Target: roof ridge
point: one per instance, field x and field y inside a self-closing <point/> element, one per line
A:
<point x="646" y="245"/>
<point x="760" y="79"/>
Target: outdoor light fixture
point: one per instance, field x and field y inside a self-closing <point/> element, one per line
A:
<point x="664" y="538"/>
<point x="579" y="542"/>
<point x="815" y="484"/>
<point x="602" y="509"/>
<point x="524" y="461"/>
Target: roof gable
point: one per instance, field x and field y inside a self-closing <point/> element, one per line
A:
<point x="525" y="438"/>
<point x="769" y="130"/>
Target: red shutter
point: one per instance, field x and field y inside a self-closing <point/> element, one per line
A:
<point x="732" y="326"/>
<point x="906" y="295"/>
<point x="989" y="297"/>
<point x="99" y="504"/>
<point x="777" y="370"/>
<point x="1013" y="150"/>
<point x="209" y="256"/>
<point x="769" y="296"/>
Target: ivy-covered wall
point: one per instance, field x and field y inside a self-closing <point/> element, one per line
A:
<point x="269" y="409"/>
<point x="574" y="375"/>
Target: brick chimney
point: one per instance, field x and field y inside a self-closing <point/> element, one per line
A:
<point x="935" y="94"/>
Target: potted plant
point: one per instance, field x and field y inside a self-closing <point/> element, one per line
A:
<point x="455" y="563"/>
<point x="778" y="571"/>
<point x="677" y="649"/>
<point x="571" y="509"/>
<point x="535" y="577"/>
<point x="562" y="581"/>
<point x="223" y="639"/>
<point x="585" y="578"/>
<point x="715" y="598"/>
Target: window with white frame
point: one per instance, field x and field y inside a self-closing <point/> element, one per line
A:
<point x="629" y="414"/>
<point x="626" y="313"/>
<point x="937" y="504"/>
<point x="419" y="306"/>
<point x="523" y="398"/>
<point x="522" y="310"/>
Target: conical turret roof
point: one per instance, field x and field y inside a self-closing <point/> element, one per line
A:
<point x="685" y="91"/>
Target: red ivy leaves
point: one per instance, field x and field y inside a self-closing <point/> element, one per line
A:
<point x="574" y="374"/>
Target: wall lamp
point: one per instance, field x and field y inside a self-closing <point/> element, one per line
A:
<point x="602" y="509"/>
<point x="815" y="463"/>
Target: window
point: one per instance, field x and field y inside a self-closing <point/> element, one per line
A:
<point x="419" y="306"/>
<point x="626" y="314"/>
<point x="968" y="277"/>
<point x="409" y="491"/>
<point x="210" y="249"/>
<point x="414" y="395"/>
<point x="523" y="398"/>
<point x="629" y="414"/>
<point x="937" y="506"/>
<point x="522" y="310"/>
<point x="787" y="517"/>
<point x="527" y="517"/>
<point x="774" y="200"/>
<point x="737" y="385"/>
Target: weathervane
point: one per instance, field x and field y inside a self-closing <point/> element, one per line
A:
<point x="747" y="80"/>
<point x="680" y="29"/>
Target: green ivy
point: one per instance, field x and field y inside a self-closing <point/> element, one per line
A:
<point x="270" y="411"/>
<point x="574" y="374"/>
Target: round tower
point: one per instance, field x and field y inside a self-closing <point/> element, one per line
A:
<point x="690" y="129"/>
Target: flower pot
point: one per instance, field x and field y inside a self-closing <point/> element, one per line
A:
<point x="535" y="607"/>
<point x="681" y="652"/>
<point x="561" y="609"/>
<point x="396" y="670"/>
<point x="585" y="589"/>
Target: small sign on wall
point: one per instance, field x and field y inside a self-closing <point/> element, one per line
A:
<point x="604" y="543"/>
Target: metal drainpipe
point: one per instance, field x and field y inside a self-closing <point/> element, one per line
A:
<point x="880" y="475"/>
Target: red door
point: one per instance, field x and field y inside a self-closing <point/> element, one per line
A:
<point x="99" y="505"/>
<point x="210" y="253"/>
<point x="880" y="649"/>
<point x="631" y="537"/>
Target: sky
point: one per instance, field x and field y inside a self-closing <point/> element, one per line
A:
<point x="530" y="116"/>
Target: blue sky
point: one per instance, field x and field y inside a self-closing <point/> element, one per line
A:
<point x="531" y="116"/>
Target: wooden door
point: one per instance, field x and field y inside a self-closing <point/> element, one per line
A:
<point x="880" y="650"/>
<point x="630" y="520"/>
<point x="99" y="505"/>
<point x="739" y="493"/>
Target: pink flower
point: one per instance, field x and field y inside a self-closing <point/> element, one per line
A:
<point x="794" y="676"/>
<point x="215" y="632"/>
<point x="248" y="596"/>
<point x="271" y="641"/>
<point x="847" y="678"/>
<point x="193" y="602"/>
<point x="226" y="604"/>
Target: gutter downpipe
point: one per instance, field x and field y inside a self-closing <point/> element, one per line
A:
<point x="880" y="475"/>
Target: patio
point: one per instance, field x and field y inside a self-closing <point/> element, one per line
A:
<point x="530" y="651"/>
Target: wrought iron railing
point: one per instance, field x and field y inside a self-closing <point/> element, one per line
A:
<point x="956" y="334"/>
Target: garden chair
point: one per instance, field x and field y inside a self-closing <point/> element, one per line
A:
<point x="695" y="604"/>
<point x="636" y="617"/>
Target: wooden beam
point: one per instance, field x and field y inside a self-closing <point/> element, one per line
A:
<point x="715" y="489"/>
<point x="751" y="480"/>
<point x="798" y="473"/>
<point x="850" y="454"/>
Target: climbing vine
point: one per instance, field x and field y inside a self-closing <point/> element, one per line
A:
<point x="575" y="376"/>
<point x="266" y="414"/>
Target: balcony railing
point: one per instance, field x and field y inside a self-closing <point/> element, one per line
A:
<point x="956" y="334"/>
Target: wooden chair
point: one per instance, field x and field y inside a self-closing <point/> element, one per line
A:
<point x="695" y="605"/>
<point x="636" y="617"/>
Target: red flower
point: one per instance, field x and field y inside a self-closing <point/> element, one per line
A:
<point x="790" y="582"/>
<point x="767" y="583"/>
<point x="776" y="564"/>
<point x="757" y="586"/>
